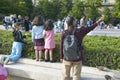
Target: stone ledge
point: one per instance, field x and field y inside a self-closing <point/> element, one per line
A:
<point x="42" y="73"/>
<point x="28" y="68"/>
<point x="85" y="69"/>
<point x="33" y="72"/>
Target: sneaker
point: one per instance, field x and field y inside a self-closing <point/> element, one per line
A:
<point x="37" y="60"/>
<point x="46" y="60"/>
<point x="51" y="61"/>
<point x="7" y="60"/>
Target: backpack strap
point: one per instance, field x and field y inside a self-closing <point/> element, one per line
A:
<point x="74" y="30"/>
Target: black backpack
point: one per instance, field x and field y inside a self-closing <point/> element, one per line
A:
<point x="71" y="49"/>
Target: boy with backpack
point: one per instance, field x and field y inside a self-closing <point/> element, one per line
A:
<point x="71" y="48"/>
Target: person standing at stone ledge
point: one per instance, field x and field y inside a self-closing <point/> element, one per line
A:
<point x="76" y="64"/>
<point x="37" y="36"/>
<point x="49" y="40"/>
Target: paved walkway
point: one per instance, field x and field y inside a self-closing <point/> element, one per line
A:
<point x="2" y="27"/>
<point x="106" y="32"/>
<point x="97" y="31"/>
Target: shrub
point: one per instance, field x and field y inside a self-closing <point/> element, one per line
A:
<point x="98" y="50"/>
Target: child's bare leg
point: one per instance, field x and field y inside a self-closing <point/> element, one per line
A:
<point x="37" y="55"/>
<point x="46" y="55"/>
<point x="40" y="55"/>
<point x="51" y="55"/>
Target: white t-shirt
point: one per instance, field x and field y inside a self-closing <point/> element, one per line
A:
<point x="37" y="32"/>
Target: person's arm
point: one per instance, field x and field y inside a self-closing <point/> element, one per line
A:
<point x="100" y="19"/>
<point x="86" y="30"/>
<point x="33" y="35"/>
<point x="22" y="38"/>
<point x="43" y="33"/>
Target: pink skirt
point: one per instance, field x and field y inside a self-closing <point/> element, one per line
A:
<point x="38" y="47"/>
<point x="39" y="44"/>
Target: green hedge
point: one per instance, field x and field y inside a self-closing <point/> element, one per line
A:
<point x="98" y="50"/>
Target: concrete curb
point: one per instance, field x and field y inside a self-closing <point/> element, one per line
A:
<point x="31" y="69"/>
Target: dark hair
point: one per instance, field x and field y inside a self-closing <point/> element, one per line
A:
<point x="16" y="25"/>
<point x="49" y="25"/>
<point x="38" y="20"/>
<point x="69" y="20"/>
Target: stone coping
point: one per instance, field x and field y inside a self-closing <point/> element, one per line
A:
<point x="29" y="68"/>
<point x="57" y="65"/>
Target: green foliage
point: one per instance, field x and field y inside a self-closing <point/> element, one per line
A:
<point x="98" y="50"/>
<point x="77" y="10"/>
<point x="116" y="10"/>
<point x="53" y="9"/>
<point x="5" y="42"/>
<point x="107" y="13"/>
<point x="101" y="50"/>
<point x="29" y="7"/>
<point x="92" y="13"/>
<point x="92" y="8"/>
<point x="15" y="7"/>
<point x="66" y="6"/>
<point x="93" y="3"/>
<point x="48" y="9"/>
<point x="4" y="7"/>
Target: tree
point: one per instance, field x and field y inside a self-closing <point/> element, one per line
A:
<point x="107" y="14"/>
<point x="48" y="8"/>
<point x="21" y="7"/>
<point x="14" y="6"/>
<point x="92" y="8"/>
<point x="29" y="7"/>
<point x="116" y="10"/>
<point x="5" y="7"/>
<point x="66" y="6"/>
<point x="77" y="9"/>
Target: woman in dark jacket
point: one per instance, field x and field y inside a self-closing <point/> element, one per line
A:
<point x="26" y="23"/>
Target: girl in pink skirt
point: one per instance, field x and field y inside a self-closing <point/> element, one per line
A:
<point x="49" y="40"/>
<point x="37" y="36"/>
